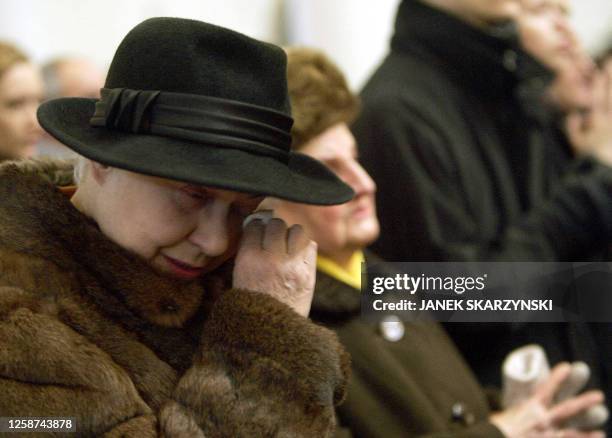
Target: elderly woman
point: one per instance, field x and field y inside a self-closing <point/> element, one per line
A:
<point x="118" y="310"/>
<point x="407" y="381"/>
<point x="21" y="90"/>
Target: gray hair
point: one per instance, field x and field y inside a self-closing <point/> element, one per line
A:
<point x="80" y="168"/>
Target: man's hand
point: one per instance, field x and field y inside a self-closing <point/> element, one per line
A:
<point x="277" y="261"/>
<point x="592" y="133"/>
<point x="538" y="417"/>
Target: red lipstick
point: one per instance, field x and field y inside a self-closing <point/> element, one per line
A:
<point x="183" y="270"/>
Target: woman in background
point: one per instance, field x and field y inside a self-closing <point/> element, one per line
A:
<point x="21" y="91"/>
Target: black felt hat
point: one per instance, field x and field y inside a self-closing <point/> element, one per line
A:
<point x="194" y="102"/>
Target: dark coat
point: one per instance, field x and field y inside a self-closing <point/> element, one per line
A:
<point x="407" y="388"/>
<point x="89" y="330"/>
<point x="454" y="133"/>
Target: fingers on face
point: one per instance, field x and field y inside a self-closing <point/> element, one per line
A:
<point x="297" y="239"/>
<point x="275" y="239"/>
<point x="253" y="234"/>
<point x="280" y="239"/>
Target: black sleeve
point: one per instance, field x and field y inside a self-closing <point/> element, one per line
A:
<point x="423" y="210"/>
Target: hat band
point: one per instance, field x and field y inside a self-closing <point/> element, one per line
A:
<point x="203" y="119"/>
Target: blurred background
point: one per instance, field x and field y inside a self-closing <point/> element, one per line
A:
<point x="354" y="33"/>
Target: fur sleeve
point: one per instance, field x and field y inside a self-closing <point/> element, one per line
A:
<point x="263" y="370"/>
<point x="49" y="370"/>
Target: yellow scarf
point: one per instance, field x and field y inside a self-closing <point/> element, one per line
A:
<point x="350" y="276"/>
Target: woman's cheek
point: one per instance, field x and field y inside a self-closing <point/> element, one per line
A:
<point x="170" y="236"/>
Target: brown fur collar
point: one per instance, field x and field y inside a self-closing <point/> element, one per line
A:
<point x="36" y="220"/>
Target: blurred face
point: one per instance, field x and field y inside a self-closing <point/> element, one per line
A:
<point x="607" y="65"/>
<point x="80" y="78"/>
<point x="21" y="91"/>
<point x="181" y="229"/>
<point x="480" y="12"/>
<point x="339" y="230"/>
<point x="572" y="88"/>
<point x="545" y="31"/>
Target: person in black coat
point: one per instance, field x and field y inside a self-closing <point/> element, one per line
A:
<point x="455" y="134"/>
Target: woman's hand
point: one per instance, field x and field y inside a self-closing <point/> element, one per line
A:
<point x="277" y="261"/>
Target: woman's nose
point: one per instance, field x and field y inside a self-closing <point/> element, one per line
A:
<point x="360" y="181"/>
<point x="211" y="234"/>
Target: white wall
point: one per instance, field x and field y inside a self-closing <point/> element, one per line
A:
<point x="593" y="21"/>
<point x="94" y="28"/>
<point x="355" y="33"/>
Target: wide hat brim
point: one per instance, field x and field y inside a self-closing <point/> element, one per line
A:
<point x="303" y="179"/>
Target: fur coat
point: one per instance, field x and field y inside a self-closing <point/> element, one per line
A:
<point x="89" y="330"/>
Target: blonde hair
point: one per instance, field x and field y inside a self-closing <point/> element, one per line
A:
<point x="320" y="96"/>
<point x="9" y="56"/>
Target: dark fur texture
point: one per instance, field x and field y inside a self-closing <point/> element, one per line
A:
<point x="89" y="330"/>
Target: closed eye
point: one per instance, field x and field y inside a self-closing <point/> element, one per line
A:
<point x="188" y="198"/>
<point x="197" y="195"/>
<point x="247" y="206"/>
